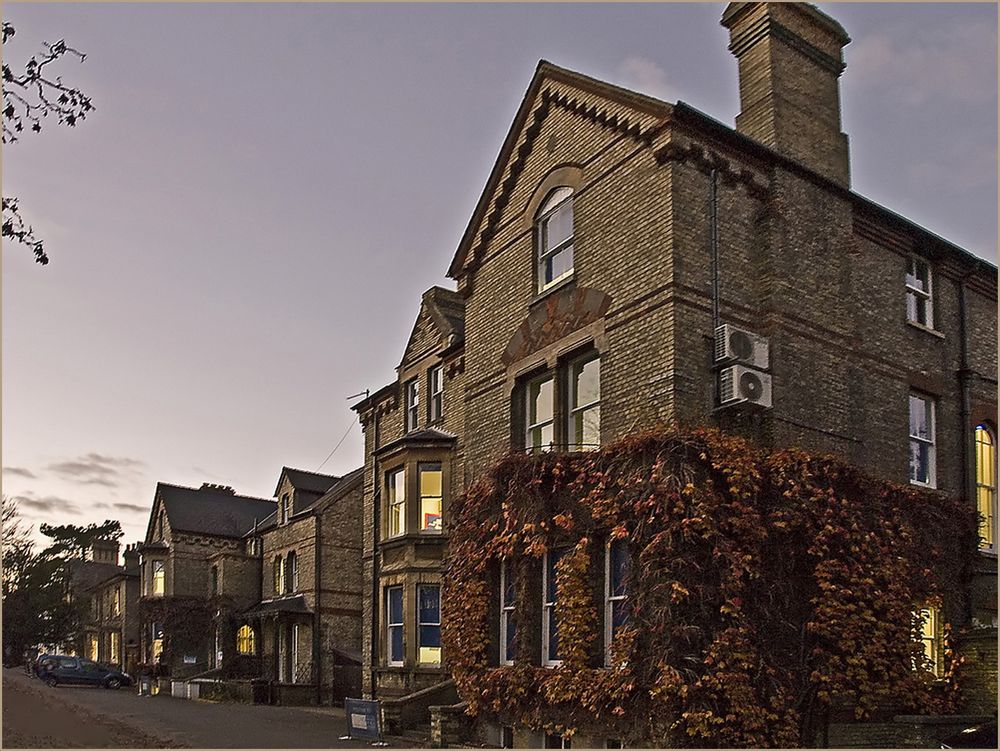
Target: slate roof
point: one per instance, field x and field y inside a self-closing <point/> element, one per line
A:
<point x="294" y="604"/>
<point x="311" y="482"/>
<point x="85" y="574"/>
<point x="211" y="511"/>
<point x="342" y="485"/>
<point x="425" y="436"/>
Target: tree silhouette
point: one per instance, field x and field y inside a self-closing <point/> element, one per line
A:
<point x="28" y="98"/>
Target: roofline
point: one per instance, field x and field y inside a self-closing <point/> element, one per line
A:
<point x="199" y="490"/>
<point x="376" y="396"/>
<point x="684" y="111"/>
<point x="285" y="469"/>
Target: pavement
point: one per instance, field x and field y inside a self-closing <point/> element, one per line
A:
<point x="36" y="716"/>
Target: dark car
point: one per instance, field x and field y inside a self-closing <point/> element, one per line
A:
<point x="978" y="736"/>
<point x="75" y="671"/>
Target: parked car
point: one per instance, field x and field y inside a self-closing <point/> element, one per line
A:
<point x="58" y="670"/>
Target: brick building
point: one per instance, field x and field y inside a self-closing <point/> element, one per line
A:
<point x="634" y="263"/>
<point x="414" y="463"/>
<point x="307" y="614"/>
<point x="186" y="527"/>
<point x="111" y="632"/>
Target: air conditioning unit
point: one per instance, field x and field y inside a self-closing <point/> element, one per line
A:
<point x="742" y="346"/>
<point x="741" y="385"/>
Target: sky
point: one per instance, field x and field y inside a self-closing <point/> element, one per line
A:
<point x="240" y="233"/>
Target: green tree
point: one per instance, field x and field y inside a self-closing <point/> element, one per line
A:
<point x="29" y="97"/>
<point x="75" y="541"/>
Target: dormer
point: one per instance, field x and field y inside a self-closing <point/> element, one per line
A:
<point x="298" y="489"/>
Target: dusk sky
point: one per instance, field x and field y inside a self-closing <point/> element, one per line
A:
<point x="240" y="234"/>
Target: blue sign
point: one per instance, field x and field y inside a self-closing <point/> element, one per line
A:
<point x="363" y="719"/>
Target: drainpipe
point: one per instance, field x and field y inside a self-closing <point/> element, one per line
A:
<point x="317" y="617"/>
<point x="713" y="222"/>
<point x="968" y="436"/>
<point x="376" y="524"/>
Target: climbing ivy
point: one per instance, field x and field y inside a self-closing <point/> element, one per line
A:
<point x="766" y="588"/>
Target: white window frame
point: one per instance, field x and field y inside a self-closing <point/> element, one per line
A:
<point x="278" y="575"/>
<point x="932" y="641"/>
<point x="435" y="393"/>
<point x="573" y="442"/>
<point x="421" y="623"/>
<point x="391" y="503"/>
<point x="295" y="654"/>
<point x="923" y="297"/>
<point x="163" y="578"/>
<point x="506" y="611"/>
<point x="990" y="521"/>
<point x="390" y="625"/>
<point x="930" y="442"/>
<point x="285" y="507"/>
<point x="548" y="609"/>
<point x="556" y="200"/>
<point x="412" y="395"/>
<point x="530" y="426"/>
<point x="292" y="572"/>
<point x="609" y="599"/>
<point x="430" y="467"/>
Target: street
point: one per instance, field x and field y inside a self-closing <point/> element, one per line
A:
<point x="36" y="716"/>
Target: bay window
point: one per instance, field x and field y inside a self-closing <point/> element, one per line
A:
<point x="158" y="588"/>
<point x="394" y="625"/>
<point x="396" y="498"/>
<point x="246" y="640"/>
<point x="431" y="497"/>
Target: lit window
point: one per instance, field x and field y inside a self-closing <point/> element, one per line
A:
<point x="412" y="404"/>
<point x="919" y="308"/>
<point x="429" y="624"/>
<point x="430" y="497"/>
<point x="285" y="508"/>
<point x="539" y="434"/>
<point x="396" y="482"/>
<point x="930" y="638"/>
<point x="156" y="645"/>
<point x="246" y="641"/>
<point x="279" y="576"/>
<point x="617" y="563"/>
<point x="555" y="238"/>
<point x="550" y="623"/>
<point x="922" y="440"/>
<point x="508" y="628"/>
<point x="436" y="393"/>
<point x="114" y="648"/>
<point x="394" y="625"/>
<point x="159" y="579"/>
<point x="584" y="404"/>
<point x="986" y="486"/>
<point x="292" y="572"/>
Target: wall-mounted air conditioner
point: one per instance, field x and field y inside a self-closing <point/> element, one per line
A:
<point x="734" y="344"/>
<point x="741" y="385"/>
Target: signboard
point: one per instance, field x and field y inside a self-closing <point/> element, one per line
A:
<point x="363" y="719"/>
<point x="190" y="660"/>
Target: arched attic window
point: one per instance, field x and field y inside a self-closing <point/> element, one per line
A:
<point x="554" y="238"/>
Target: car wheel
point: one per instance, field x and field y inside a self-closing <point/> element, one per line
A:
<point x="51" y="681"/>
<point x="113" y="683"/>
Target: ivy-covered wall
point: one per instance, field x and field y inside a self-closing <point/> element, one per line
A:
<point x="765" y="588"/>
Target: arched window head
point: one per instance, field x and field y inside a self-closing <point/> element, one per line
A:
<point x="986" y="486"/>
<point x="555" y="238"/>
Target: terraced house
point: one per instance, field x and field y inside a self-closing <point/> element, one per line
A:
<point x="634" y="263"/>
<point x="112" y="629"/>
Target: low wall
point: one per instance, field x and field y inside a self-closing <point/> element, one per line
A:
<point x="450" y="725"/>
<point x="904" y="731"/>
<point x="413" y="709"/>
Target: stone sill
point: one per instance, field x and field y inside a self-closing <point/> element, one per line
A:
<point x="925" y="329"/>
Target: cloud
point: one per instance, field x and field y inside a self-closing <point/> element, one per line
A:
<point x="20" y="472"/>
<point x="96" y="469"/>
<point x="130" y="507"/>
<point x="643" y="75"/>
<point x="48" y="504"/>
<point x="916" y="66"/>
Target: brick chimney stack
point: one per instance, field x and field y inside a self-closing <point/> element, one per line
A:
<point x="790" y="59"/>
<point x="131" y="558"/>
<point x="105" y="551"/>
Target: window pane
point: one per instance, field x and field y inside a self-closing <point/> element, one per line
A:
<point x="429" y="655"/>
<point x="430" y="636"/>
<point x="586" y="428"/>
<point x="618" y="568"/>
<point x="508" y="584"/>
<point x="397" y="486"/>
<point x="430" y="605"/>
<point x="619" y="615"/>
<point x="918" y="275"/>
<point x="510" y="637"/>
<point x="395" y="605"/>
<point x="553" y="635"/>
<point x="586" y="382"/>
<point x="558" y="264"/>
<point x="920" y="418"/>
<point x="540" y="400"/>
<point x="396" y="644"/>
<point x="558" y="226"/>
<point x="430" y="480"/>
<point x="920" y="462"/>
